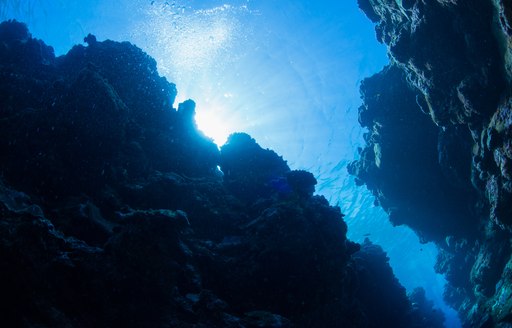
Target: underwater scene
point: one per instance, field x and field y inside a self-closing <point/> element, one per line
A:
<point x="256" y="164"/>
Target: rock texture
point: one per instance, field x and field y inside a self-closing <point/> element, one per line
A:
<point x="113" y="212"/>
<point x="438" y="147"/>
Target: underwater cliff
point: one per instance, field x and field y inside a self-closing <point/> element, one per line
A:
<point x="116" y="211"/>
<point x="438" y="154"/>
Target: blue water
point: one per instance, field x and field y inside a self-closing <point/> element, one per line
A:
<point x="286" y="72"/>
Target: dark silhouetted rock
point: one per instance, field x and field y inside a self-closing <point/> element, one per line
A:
<point x="424" y="309"/>
<point x="250" y="172"/>
<point x="113" y="212"/>
<point x="302" y="182"/>
<point x="384" y="301"/>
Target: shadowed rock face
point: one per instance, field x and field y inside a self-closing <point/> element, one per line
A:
<point x="113" y="212"/>
<point x="437" y="154"/>
<point x="407" y="162"/>
<point x="448" y="51"/>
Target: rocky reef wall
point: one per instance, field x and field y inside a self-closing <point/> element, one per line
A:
<point x="438" y="148"/>
<point x="114" y="213"/>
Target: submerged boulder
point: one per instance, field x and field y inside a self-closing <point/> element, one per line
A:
<point x="385" y="301"/>
<point x="302" y="182"/>
<point x="250" y="172"/>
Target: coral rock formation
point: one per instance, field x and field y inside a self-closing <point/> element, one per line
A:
<point x="113" y="212"/>
<point x="438" y="151"/>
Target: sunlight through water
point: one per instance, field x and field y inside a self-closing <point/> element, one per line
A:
<point x="216" y="124"/>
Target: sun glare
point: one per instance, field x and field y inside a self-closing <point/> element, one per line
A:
<point x="213" y="124"/>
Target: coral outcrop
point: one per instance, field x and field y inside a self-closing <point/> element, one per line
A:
<point x="114" y="213"/>
<point x="437" y="154"/>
